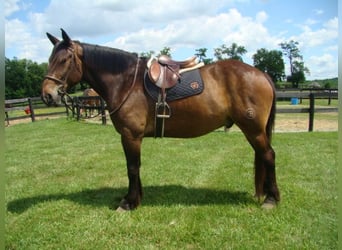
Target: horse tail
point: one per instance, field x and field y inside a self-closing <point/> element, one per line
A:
<point x="271" y="118"/>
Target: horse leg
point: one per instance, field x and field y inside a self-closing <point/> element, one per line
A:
<point x="132" y="152"/>
<point x="265" y="177"/>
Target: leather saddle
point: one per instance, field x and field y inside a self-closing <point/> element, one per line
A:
<point x="165" y="72"/>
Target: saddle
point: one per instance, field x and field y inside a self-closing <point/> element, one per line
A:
<point x="165" y="73"/>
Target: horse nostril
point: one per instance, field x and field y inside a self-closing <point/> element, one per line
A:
<point x="47" y="99"/>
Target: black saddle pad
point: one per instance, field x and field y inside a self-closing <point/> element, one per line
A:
<point x="190" y="84"/>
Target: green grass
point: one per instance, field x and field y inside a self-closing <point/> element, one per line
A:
<point x="64" y="179"/>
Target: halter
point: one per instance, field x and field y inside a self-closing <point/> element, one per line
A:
<point x="63" y="81"/>
<point x="62" y="92"/>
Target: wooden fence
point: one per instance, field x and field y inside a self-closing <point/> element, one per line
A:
<point x="311" y="110"/>
<point x="29" y="106"/>
<point x="79" y="104"/>
<point x="89" y="104"/>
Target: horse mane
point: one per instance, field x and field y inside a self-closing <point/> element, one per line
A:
<point x="108" y="59"/>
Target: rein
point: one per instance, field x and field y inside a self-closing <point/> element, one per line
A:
<point x="129" y="91"/>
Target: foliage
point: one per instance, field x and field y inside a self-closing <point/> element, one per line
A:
<point x="270" y="62"/>
<point x="201" y="53"/>
<point x="297" y="68"/>
<point x="23" y="78"/>
<point x="233" y="52"/>
<point x="165" y="51"/>
<point x="147" y="54"/>
<point x="60" y="194"/>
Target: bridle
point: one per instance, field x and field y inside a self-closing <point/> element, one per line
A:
<point x="63" y="81"/>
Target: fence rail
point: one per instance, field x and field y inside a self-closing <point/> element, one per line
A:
<point x="29" y="105"/>
<point x="96" y="103"/>
<point x="312" y="95"/>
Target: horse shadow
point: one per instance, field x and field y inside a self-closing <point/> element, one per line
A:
<point x="167" y="195"/>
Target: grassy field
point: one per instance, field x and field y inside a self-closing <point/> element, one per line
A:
<point x="64" y="179"/>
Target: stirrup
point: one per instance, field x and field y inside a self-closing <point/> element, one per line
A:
<point x="163" y="110"/>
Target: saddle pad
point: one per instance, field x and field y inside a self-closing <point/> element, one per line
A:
<point x="190" y="84"/>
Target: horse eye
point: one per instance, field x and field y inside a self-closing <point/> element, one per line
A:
<point x="63" y="60"/>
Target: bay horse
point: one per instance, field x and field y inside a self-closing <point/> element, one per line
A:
<point x="89" y="104"/>
<point x="234" y="93"/>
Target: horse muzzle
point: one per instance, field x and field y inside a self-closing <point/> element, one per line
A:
<point x="50" y="93"/>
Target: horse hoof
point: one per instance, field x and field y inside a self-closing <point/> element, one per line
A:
<point x="120" y="210"/>
<point x="269" y="203"/>
<point x="268" y="206"/>
<point x="123" y="206"/>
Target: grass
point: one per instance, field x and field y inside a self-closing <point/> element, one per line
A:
<point x="64" y="179"/>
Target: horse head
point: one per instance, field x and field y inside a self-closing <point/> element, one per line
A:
<point x="64" y="70"/>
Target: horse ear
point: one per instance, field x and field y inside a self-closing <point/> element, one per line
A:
<point x="65" y="36"/>
<point x="53" y="39"/>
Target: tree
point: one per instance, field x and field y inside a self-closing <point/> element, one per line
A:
<point x="201" y="54"/>
<point x="297" y="67"/>
<point x="233" y="52"/>
<point x="23" y="78"/>
<point x="147" y="54"/>
<point x="165" y="51"/>
<point x="270" y="62"/>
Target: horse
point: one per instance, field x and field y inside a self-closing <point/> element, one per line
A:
<point x="234" y="93"/>
<point x="89" y="104"/>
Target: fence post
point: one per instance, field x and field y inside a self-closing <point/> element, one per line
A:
<point x="329" y="99"/>
<point x="311" y="111"/>
<point x="78" y="108"/>
<point x="7" y="118"/>
<point x="103" y="112"/>
<point x="66" y="105"/>
<point x="33" y="118"/>
<point x="73" y="107"/>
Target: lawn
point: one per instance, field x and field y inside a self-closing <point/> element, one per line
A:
<point x="64" y="180"/>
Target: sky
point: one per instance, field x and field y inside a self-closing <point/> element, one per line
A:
<point x="183" y="25"/>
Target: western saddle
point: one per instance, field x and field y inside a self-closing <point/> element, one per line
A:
<point x="165" y="73"/>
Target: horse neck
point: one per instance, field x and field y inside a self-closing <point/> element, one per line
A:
<point x="109" y="71"/>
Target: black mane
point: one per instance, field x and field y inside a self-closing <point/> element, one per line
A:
<point x="108" y="59"/>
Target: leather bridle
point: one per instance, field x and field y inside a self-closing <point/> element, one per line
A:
<point x="63" y="81"/>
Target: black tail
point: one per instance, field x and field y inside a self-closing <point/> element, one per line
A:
<point x="271" y="118"/>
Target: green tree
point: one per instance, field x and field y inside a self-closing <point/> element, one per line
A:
<point x="165" y="51"/>
<point x="201" y="54"/>
<point x="270" y="62"/>
<point x="297" y="68"/>
<point x="233" y="52"/>
<point x="147" y="54"/>
<point x="23" y="78"/>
